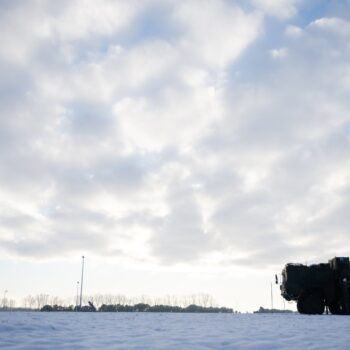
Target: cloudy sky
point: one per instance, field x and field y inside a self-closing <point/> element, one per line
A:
<point x="182" y="146"/>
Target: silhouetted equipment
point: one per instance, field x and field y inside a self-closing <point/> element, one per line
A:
<point x="86" y="308"/>
<point x="316" y="286"/>
<point x="92" y="306"/>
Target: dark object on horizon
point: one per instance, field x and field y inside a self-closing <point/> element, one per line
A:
<point x="86" y="308"/>
<point x="139" y="308"/>
<point x="163" y="308"/>
<point x="49" y="308"/>
<point x="272" y="311"/>
<point x="318" y="286"/>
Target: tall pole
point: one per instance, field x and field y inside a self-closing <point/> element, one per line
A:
<point x="4" y="300"/>
<point x="82" y="280"/>
<point x="271" y="299"/>
<point x="77" y="298"/>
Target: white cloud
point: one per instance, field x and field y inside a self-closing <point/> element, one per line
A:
<point x="217" y="33"/>
<point x="332" y="24"/>
<point x="282" y="9"/>
<point x="175" y="119"/>
<point x="175" y="145"/>
<point x="293" y="31"/>
<point x="85" y="18"/>
<point x="279" y="53"/>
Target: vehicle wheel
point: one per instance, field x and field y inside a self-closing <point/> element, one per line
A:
<point x="300" y="306"/>
<point x="337" y="307"/>
<point x="311" y="304"/>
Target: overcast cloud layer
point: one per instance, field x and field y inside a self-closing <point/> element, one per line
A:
<point x="175" y="131"/>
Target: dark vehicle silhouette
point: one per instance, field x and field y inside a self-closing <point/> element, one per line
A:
<point x="318" y="286"/>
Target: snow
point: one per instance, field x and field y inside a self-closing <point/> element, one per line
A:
<point x="34" y="330"/>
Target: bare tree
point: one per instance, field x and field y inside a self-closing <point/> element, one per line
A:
<point x="205" y="300"/>
<point x="97" y="299"/>
<point x="41" y="300"/>
<point x="108" y="299"/>
<point x="157" y="301"/>
<point x="29" y="302"/>
<point x="55" y="301"/>
<point x="174" y="300"/>
<point x="120" y="299"/>
<point x="69" y="301"/>
<point x="11" y="303"/>
<point x="145" y="299"/>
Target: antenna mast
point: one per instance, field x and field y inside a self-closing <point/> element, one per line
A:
<point x="82" y="280"/>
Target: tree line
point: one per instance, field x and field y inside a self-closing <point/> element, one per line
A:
<point x="141" y="307"/>
<point x="116" y="302"/>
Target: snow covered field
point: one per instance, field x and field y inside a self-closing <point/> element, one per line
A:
<point x="25" y="330"/>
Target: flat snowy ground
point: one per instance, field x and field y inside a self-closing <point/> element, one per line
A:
<point x="35" y="330"/>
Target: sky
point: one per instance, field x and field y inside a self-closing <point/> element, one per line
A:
<point x="181" y="146"/>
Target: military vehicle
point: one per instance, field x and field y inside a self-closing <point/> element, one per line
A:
<point x="317" y="287"/>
